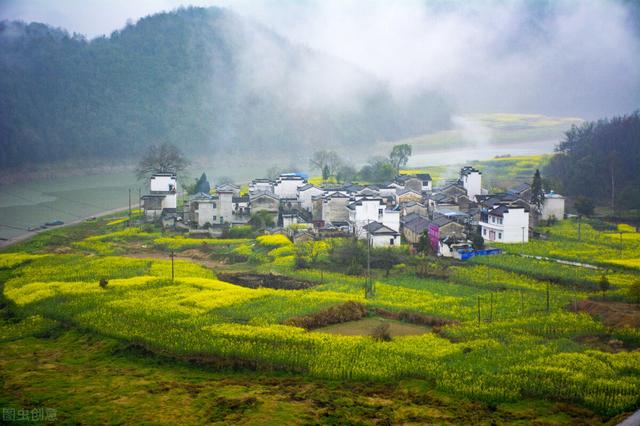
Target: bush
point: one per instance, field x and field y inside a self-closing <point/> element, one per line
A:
<point x="381" y="333"/>
<point x="103" y="283"/>
<point x="350" y="311"/>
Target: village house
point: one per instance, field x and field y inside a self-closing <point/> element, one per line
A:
<point x="471" y="180"/>
<point x="306" y="194"/>
<point x="405" y="195"/>
<point x="331" y="207"/>
<point x="553" y="206"/>
<point x="265" y="201"/>
<point x="287" y="184"/>
<point x="368" y="210"/>
<point x="261" y="185"/>
<point x="505" y="223"/>
<point x="229" y="187"/>
<point x="162" y="198"/>
<point x="204" y="209"/>
<point x="380" y="235"/>
<point x="414" y="227"/>
<point x="413" y="207"/>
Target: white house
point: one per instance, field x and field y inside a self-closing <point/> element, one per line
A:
<point x="471" y="180"/>
<point x="306" y="194"/>
<point x="287" y="185"/>
<point x="261" y="185"/>
<point x="553" y="206"/>
<point x="368" y="210"/>
<point x="381" y="235"/>
<point x="505" y="224"/>
<point x="163" y="195"/>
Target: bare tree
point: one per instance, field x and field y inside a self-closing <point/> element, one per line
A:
<point x="163" y="158"/>
<point x="327" y="162"/>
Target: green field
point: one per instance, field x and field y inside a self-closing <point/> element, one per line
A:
<point x="510" y="348"/>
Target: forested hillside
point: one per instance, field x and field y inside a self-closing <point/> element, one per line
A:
<point x="601" y="160"/>
<point x="204" y="79"/>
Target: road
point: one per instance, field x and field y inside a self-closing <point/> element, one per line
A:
<point x="30" y="234"/>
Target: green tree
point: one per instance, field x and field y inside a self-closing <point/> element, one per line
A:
<point x="603" y="284"/>
<point x="202" y="184"/>
<point x="399" y="156"/>
<point x="537" y="193"/>
<point x="346" y="172"/>
<point x="261" y="220"/>
<point x="163" y="158"/>
<point x="584" y="206"/>
<point x="326" y="172"/>
<point x="385" y="259"/>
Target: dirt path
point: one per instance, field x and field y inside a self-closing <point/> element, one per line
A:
<point x="612" y="314"/>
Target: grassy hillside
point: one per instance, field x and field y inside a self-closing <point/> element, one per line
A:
<point x="499" y="346"/>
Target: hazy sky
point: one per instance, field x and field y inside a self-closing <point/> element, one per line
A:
<point x="578" y="57"/>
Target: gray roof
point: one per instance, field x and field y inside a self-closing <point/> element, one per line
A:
<point x="376" y="228"/>
<point x="418" y="225"/>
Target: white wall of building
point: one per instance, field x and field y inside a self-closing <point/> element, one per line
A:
<point x="288" y="187"/>
<point x="512" y="227"/>
<point x="553" y="206"/>
<point x="472" y="182"/>
<point x="384" y="240"/>
<point x="373" y="211"/>
<point x="162" y="183"/>
<point x="305" y="197"/>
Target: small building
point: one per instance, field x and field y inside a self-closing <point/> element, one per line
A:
<point x="441" y="227"/>
<point x="261" y="185"/>
<point x="306" y="194"/>
<point x="471" y="180"/>
<point x="368" y="210"/>
<point x="553" y="206"/>
<point x="287" y="184"/>
<point x="405" y="195"/>
<point x="505" y="223"/>
<point x="265" y="201"/>
<point x="162" y="198"/>
<point x="413" y="229"/>
<point x="380" y="235"/>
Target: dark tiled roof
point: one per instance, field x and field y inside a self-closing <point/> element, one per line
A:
<point x="423" y="176"/>
<point x="441" y="221"/>
<point x="376" y="228"/>
<point x="418" y="225"/>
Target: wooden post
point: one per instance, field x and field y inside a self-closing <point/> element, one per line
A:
<point x="547" y="297"/>
<point x="491" y="307"/>
<point x="521" y="303"/>
<point x="172" y="269"/>
<point x="129" y="222"/>
<point x="478" y="309"/>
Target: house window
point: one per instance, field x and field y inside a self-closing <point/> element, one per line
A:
<point x="392" y="241"/>
<point x="484" y="231"/>
<point x="500" y="220"/>
<point x="380" y="211"/>
<point x="493" y="219"/>
<point x="499" y="235"/>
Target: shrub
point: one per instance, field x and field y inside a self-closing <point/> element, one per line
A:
<point x="349" y="311"/>
<point x="103" y="283"/>
<point x="381" y="333"/>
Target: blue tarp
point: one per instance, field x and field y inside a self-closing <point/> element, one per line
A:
<point x="486" y="252"/>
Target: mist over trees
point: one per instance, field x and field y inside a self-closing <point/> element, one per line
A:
<point x="204" y="79"/>
<point x="600" y="161"/>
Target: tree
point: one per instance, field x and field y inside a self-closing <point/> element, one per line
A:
<point x="477" y="240"/>
<point x="584" y="206"/>
<point x="202" y="184"/>
<point x="326" y="162"/>
<point x="326" y="172"/>
<point x="424" y="243"/>
<point x="400" y="156"/>
<point x="385" y="258"/>
<point x="164" y="158"/>
<point x="261" y="220"/>
<point x="345" y="173"/>
<point x="537" y="193"/>
<point x="603" y="284"/>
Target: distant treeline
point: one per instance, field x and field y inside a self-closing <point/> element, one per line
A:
<point x="175" y="77"/>
<point x="601" y="160"/>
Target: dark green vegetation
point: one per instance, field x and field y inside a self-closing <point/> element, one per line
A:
<point x="601" y="161"/>
<point x="204" y="78"/>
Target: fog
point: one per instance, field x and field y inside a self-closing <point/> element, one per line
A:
<point x="562" y="57"/>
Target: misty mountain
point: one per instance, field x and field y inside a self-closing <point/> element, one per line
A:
<point x="204" y="79"/>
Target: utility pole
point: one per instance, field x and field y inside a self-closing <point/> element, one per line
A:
<point x="579" y="230"/>
<point x="478" y="309"/>
<point x="172" y="269"/>
<point x="369" y="285"/>
<point x="547" y="297"/>
<point x="491" y="307"/>
<point x="129" y="223"/>
<point x="523" y="235"/>
<point x="521" y="304"/>
<point x="620" y="245"/>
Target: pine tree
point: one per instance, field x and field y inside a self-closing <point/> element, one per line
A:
<point x="202" y="185"/>
<point x="537" y="193"/>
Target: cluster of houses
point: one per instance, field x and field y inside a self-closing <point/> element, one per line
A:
<point x="408" y="208"/>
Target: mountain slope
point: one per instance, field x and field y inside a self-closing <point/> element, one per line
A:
<point x="204" y="79"/>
